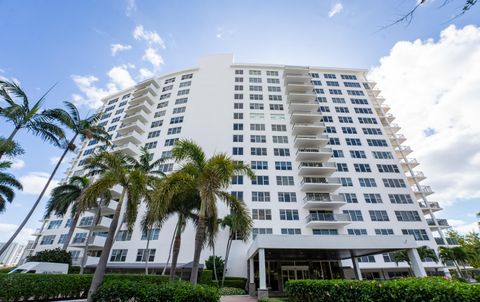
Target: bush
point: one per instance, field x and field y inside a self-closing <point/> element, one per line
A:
<point x="206" y="277"/>
<point x="6" y="270"/>
<point x="237" y="282"/>
<point x="230" y="291"/>
<point x="74" y="269"/>
<point x="39" y="287"/>
<point x="219" y="264"/>
<point x="408" y="289"/>
<point x="148" y="292"/>
<point x="56" y="255"/>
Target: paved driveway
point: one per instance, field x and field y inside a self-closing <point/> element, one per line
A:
<point x="245" y="298"/>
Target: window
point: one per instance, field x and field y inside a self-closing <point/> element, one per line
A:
<point x="115" y="119"/>
<point x="237" y="180"/>
<point x="349" y="197"/>
<point x="342" y="167"/>
<point x="258" y="151"/>
<point x="359" y="101"/>
<point x="165" y="96"/>
<point x="342" y="110"/>
<point x="345" y="119"/>
<point x="280" y="139"/>
<point x="259" y="165"/>
<point x="261" y="231"/>
<point x="174" y="130"/>
<point x="168" y="81"/>
<point x="279" y="127"/>
<point x="289" y="214"/>
<point x="346" y="182"/>
<point x="376" y="215"/>
<point x="357" y="232"/>
<point x="272" y="73"/>
<point x="407" y="216"/>
<point x="382" y="155"/>
<point x="151" y="145"/>
<point x="348" y="77"/>
<point x="62" y="239"/>
<point x="276" y="107"/>
<point x="323" y="109"/>
<point x="123" y="235"/>
<point x="118" y="255"/>
<point x="257" y="127"/>
<point x="337" y="153"/>
<point x="377" y="142"/>
<point x="238" y="87"/>
<point x="176" y="120"/>
<point x="372" y="131"/>
<point x="332" y="83"/>
<point x="349" y="130"/>
<point x="274" y="97"/>
<point x="254" y="72"/>
<point x="388" y="168"/>
<point x="318" y="91"/>
<point x="79" y="237"/>
<point x="238" y="138"/>
<point x="166" y="154"/>
<point x="384" y="232"/>
<point x="238" y="96"/>
<point x="237" y="194"/>
<point x="367" y="182"/>
<point x="317" y="83"/>
<point x="237" y="151"/>
<point x="122" y="104"/>
<point x="256" y="88"/>
<point x="154" y="134"/>
<point x="291" y="231"/>
<point x="363" y="110"/>
<point x="325" y="232"/>
<point x="167" y="88"/>
<point x="353" y="141"/>
<point x="326" y="119"/>
<point x="256" y="97"/>
<point x="238" y="127"/>
<point x="287" y="197"/>
<point x="400" y="198"/>
<point x="156" y="124"/>
<point x="183" y="92"/>
<point x="283" y="165"/>
<point x="54" y="224"/>
<point x="106" y="115"/>
<point x="362" y="168"/>
<point x="255" y="80"/>
<point x="170" y="141"/>
<point x="260" y="196"/>
<point x="238" y="71"/>
<point x="394" y="183"/>
<point x="320" y="99"/>
<point x="335" y="91"/>
<point x="355" y="215"/>
<point x="179" y="110"/>
<point x="154" y="233"/>
<point x="274" y="89"/>
<point x="285" y="181"/>
<point x="370" y="259"/>
<point x="88" y="151"/>
<point x="256" y="106"/>
<point x="261" y="214"/>
<point x="334" y="141"/>
<point x="351" y="84"/>
<point x="112" y="102"/>
<point x="47" y="240"/>
<point x="261" y="180"/>
<point x="185" y="84"/>
<point x="181" y="101"/>
<point x="329" y="76"/>
<point x="281" y="151"/>
<point x="238" y="116"/>
<point x="338" y="100"/>
<point x="418" y="234"/>
<point x="237" y="105"/>
<point x="273" y="81"/>
<point x="159" y="113"/>
<point x="118" y="111"/>
<point x="357" y="154"/>
<point x="330" y="129"/>
<point x="314" y="75"/>
<point x="142" y="255"/>
<point x="367" y="120"/>
<point x="372" y="198"/>
<point x="355" y="92"/>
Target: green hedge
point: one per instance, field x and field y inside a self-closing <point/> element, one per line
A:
<point x="117" y="291"/>
<point x="237" y="282"/>
<point x="231" y="291"/>
<point x="408" y="289"/>
<point x="39" y="287"/>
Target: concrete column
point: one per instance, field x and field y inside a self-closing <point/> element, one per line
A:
<point x="251" y="277"/>
<point x="416" y="263"/>
<point x="356" y="268"/>
<point x="262" y="290"/>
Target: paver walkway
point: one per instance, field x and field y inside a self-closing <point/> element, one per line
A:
<point x="243" y="298"/>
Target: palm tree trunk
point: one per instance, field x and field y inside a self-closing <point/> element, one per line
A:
<point x="70" y="231"/>
<point x="227" y="253"/>
<point x="176" y="248"/>
<point x="10" y="139"/>
<point x="90" y="232"/>
<point x="147" y="251"/>
<point x="25" y="220"/>
<point x="102" y="263"/>
<point x="199" y="240"/>
<point x="214" y="263"/>
<point x="170" y="250"/>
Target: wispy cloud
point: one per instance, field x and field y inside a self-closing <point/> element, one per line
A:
<point x="335" y="9"/>
<point x="34" y="182"/>
<point x="130" y="8"/>
<point x="119" y="47"/>
<point x="152" y="37"/>
<point x="151" y="55"/>
<point x="18" y="164"/>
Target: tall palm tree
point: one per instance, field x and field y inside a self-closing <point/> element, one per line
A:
<point x="85" y="128"/>
<point x="424" y="252"/>
<point x="23" y="115"/>
<point x="8" y="183"/>
<point x="239" y="226"/>
<point x="114" y="169"/>
<point x="211" y="176"/>
<point x="66" y="196"/>
<point x="449" y="254"/>
<point x="10" y="148"/>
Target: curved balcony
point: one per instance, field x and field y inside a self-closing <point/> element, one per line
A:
<point x="301" y="98"/>
<point x="133" y="126"/>
<point x="302" y="107"/>
<point x="106" y="208"/>
<point x="102" y="225"/>
<point x="392" y="128"/>
<point x="409" y="163"/>
<point x="132" y="137"/>
<point x="297" y="78"/>
<point x="397" y="138"/>
<point x="298" y="88"/>
<point x="434" y="206"/>
<point x="316" y="168"/>
<point x="308" y="128"/>
<point x="296" y="71"/>
<point x="320" y="184"/>
<point x="450" y="241"/>
<point x="128" y="148"/>
<point x="144" y="97"/>
<point x="321" y="201"/>
<point x="95" y="243"/>
<point x="424" y="190"/>
<point x="313" y="154"/>
<point x="327" y="220"/>
<point x="417" y="176"/>
<point x="146" y="84"/>
<point x="137" y="116"/>
<point x="310" y="141"/>
<point x="135" y="108"/>
<point x="442" y="223"/>
<point x="387" y="116"/>
<point x="405" y="150"/>
<point x="304" y="117"/>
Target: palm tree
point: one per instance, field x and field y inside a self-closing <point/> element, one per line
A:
<point x="85" y="129"/>
<point x="424" y="252"/>
<point x="10" y="148"/>
<point x="449" y="254"/>
<point x="8" y="183"/>
<point x="114" y="169"/>
<point x="240" y="226"/>
<point x="65" y="196"/>
<point x="210" y="177"/>
<point x="30" y="118"/>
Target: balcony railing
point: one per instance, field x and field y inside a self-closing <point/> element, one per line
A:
<point x="450" y="241"/>
<point x="327" y="217"/>
<point x="308" y="125"/>
<point x="409" y="161"/>
<point x="433" y="205"/>
<point x="329" y="198"/>
<point x="321" y="180"/>
<point x="316" y="165"/>
<point x="441" y="222"/>
<point x="315" y="150"/>
<point x="423" y="189"/>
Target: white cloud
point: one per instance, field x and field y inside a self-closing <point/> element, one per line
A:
<point x="152" y="37"/>
<point x="432" y="88"/>
<point x="54" y="160"/>
<point x="462" y="227"/>
<point x="120" y="76"/>
<point x="119" y="47"/>
<point x="130" y="8"/>
<point x="34" y="182"/>
<point x="151" y="55"/>
<point x="145" y="73"/>
<point x="7" y="230"/>
<point x="335" y="9"/>
<point x="18" y="164"/>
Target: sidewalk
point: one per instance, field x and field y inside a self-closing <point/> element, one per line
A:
<point x="244" y="298"/>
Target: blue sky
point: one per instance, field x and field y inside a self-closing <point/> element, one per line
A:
<point x="70" y="42"/>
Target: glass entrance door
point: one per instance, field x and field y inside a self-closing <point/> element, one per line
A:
<point x="294" y="273"/>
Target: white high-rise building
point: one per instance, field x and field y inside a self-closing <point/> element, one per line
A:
<point x="12" y="254"/>
<point x="334" y="192"/>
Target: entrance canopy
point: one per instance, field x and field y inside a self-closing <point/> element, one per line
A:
<point x="332" y="247"/>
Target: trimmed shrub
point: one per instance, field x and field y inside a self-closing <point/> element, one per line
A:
<point x="237" y="282"/>
<point x="148" y="292"/>
<point x="136" y="278"/>
<point x="74" y="269"/>
<point x="231" y="291"/>
<point x="55" y="255"/>
<point x="206" y="277"/>
<point x="407" y="289"/>
<point x="6" y="270"/>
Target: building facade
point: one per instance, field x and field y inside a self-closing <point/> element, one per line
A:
<point x="330" y="165"/>
<point x="12" y="255"/>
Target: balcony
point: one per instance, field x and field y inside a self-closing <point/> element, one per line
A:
<point x="316" y="168"/>
<point x="327" y="220"/>
<point x="137" y="116"/>
<point x="95" y="243"/>
<point x="313" y="154"/>
<point x="434" y="206"/>
<point x="298" y="88"/>
<point x="405" y="150"/>
<point x="91" y="261"/>
<point x="397" y="139"/>
<point x="37" y="232"/>
<point x="297" y="79"/>
<point x="450" y="241"/>
<point x="303" y="98"/>
<point x="417" y="176"/>
<point x="102" y="225"/>
<point x="133" y="126"/>
<point x="296" y="71"/>
<point x="425" y="190"/>
<point x="131" y="110"/>
<point x="388" y="117"/>
<point x="305" y="117"/>
<point x="128" y="148"/>
<point x="147" y="83"/>
<point x="409" y="163"/>
<point x="442" y="223"/>
<point x="310" y="141"/>
<point x="105" y="208"/>
<point x="302" y="107"/>
<point x="320" y="184"/>
<point x="308" y="128"/>
<point x="132" y="137"/>
<point x="392" y="128"/>
<point x="320" y="202"/>
<point x="145" y="97"/>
